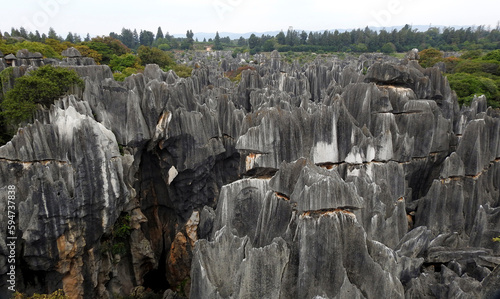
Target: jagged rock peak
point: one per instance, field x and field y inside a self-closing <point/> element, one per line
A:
<point x="26" y="54"/>
<point x="71" y="52"/>
<point x="412" y="54"/>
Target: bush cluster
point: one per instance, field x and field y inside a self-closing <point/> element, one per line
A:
<point x="41" y="86"/>
<point x="472" y="74"/>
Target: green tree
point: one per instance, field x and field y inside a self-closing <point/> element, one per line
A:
<point x="127" y="38"/>
<point x="292" y="37"/>
<point x="136" y="38"/>
<point x="14" y="32"/>
<point x="70" y="38"/>
<point x="253" y="41"/>
<point x="303" y="37"/>
<point x="493" y="55"/>
<point x="77" y="38"/>
<point x="268" y="45"/>
<point x="467" y="86"/>
<point x="429" y="57"/>
<point x="88" y="52"/>
<point x="146" y="38"/>
<point x="23" y="32"/>
<point x="52" y="34"/>
<point x="189" y="41"/>
<point x="472" y="54"/>
<point x="45" y="49"/>
<point x="361" y="48"/>
<point x="242" y="41"/>
<point x="41" y="86"/>
<point x="37" y="37"/>
<point x="281" y="38"/>
<point x="159" y="33"/>
<point x="388" y="48"/>
<point x="478" y="66"/>
<point x="189" y="35"/>
<point x="150" y="55"/>
<point x="120" y="63"/>
<point x="217" y="42"/>
<point x="107" y="47"/>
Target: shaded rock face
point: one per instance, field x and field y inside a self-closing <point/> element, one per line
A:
<point x="300" y="181"/>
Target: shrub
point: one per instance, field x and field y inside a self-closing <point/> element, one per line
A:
<point x="107" y="47"/>
<point x="164" y="47"/>
<point x="122" y="228"/>
<point x="45" y="50"/>
<point x="451" y="63"/>
<point x="120" y="76"/>
<point x="429" y="57"/>
<point x="493" y="55"/>
<point x="387" y="48"/>
<point x="235" y="76"/>
<point x="88" y="52"/>
<point x="120" y="63"/>
<point x="182" y="70"/>
<point x="467" y="85"/>
<point x="5" y="79"/>
<point x="57" y="46"/>
<point x="41" y="86"/>
<point x="150" y="55"/>
<point x="473" y="54"/>
<point x="116" y="243"/>
<point x="478" y="66"/>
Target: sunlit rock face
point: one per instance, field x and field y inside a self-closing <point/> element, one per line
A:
<point x="299" y="181"/>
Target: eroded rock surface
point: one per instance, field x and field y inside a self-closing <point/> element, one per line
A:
<point x="300" y="181"/>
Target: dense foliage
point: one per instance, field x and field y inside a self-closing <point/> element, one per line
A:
<point x="115" y="50"/>
<point x="107" y="47"/>
<point x="473" y="73"/>
<point x="128" y="52"/>
<point x="125" y="65"/>
<point x="41" y="86"/>
<point x="357" y="40"/>
<point x="149" y="55"/>
<point x="368" y="40"/>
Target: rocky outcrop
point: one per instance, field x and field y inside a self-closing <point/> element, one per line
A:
<point x="59" y="215"/>
<point x="71" y="53"/>
<point x="354" y="178"/>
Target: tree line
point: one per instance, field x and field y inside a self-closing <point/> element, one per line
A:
<point x="357" y="40"/>
<point x="368" y="40"/>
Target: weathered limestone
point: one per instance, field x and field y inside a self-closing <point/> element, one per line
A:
<point x="300" y="181"/>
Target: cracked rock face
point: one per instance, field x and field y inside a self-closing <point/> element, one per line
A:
<point x="300" y="181"/>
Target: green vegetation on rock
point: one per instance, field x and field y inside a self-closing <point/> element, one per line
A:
<point x="41" y="86"/>
<point x="471" y="74"/>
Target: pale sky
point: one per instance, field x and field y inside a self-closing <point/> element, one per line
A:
<point x="238" y="16"/>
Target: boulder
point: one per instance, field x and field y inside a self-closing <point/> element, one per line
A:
<point x="71" y="52"/>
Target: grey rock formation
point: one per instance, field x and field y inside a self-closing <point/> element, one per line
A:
<point x="300" y="181"/>
<point x="71" y="53"/>
<point x="412" y="55"/>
